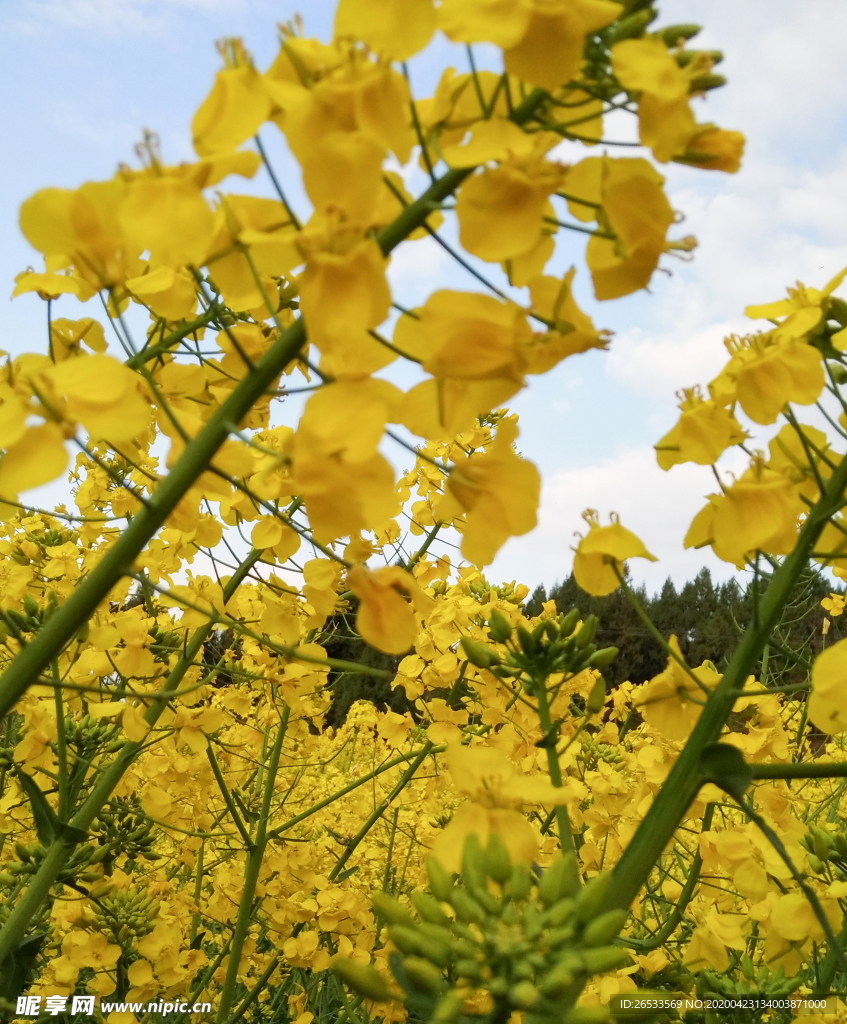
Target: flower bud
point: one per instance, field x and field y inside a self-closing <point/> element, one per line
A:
<point x="524" y="995"/>
<point x="559" y="912"/>
<point x="520" y="883"/>
<point x="428" y="908"/>
<point x="498" y="864"/>
<point x="591" y="896"/>
<point x="607" y="958"/>
<point x="567" y="623"/>
<point x="423" y="975"/>
<point x="529" y="644"/>
<point x="604" y="928"/>
<point x="391" y="910"/>
<point x="468" y="968"/>
<point x="702" y="83"/>
<point x="597" y="696"/>
<point x="586" y="633"/>
<point x="478" y="654"/>
<point x="837" y="371"/>
<point x="362" y="978"/>
<point x="499" y="627"/>
<point x="632" y="26"/>
<point x="440" y="882"/>
<point x="406" y="939"/>
<point x="561" y="879"/>
<point x="587" y="1015"/>
<point x="673" y="33"/>
<point x="448" y="1008"/>
<point x="466" y="907"/>
<point x="605" y="656"/>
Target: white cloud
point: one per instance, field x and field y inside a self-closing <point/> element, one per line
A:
<point x="657" y="506"/>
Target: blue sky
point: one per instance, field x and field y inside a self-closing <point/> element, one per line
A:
<point x="82" y="78"/>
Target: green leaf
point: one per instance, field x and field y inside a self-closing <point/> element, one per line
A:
<point x="724" y="765"/>
<point x="47" y="825"/>
<point x="16" y="969"/>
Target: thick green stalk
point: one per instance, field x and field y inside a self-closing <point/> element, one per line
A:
<point x="61" y="849"/>
<point x="255" y="856"/>
<point x="685" y="778"/>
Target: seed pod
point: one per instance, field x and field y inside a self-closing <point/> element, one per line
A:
<point x="558" y="881"/>
<point x="101" y="853"/>
<point x="520" y="882"/>
<point x="673" y="33"/>
<point x="604" y="928"/>
<point x="498" y="864"/>
<point x="499" y="627"/>
<point x="362" y="978"/>
<point x="587" y="631"/>
<point x="6" y="878"/>
<point x="587" y="1015"/>
<point x="591" y="896"/>
<point x="478" y="654"/>
<point x="567" y="623"/>
<point x="422" y="974"/>
<point x="406" y="939"/>
<point x="606" y="958"/>
<point x="428" y="908"/>
<point x="391" y="910"/>
<point x="466" y="907"/>
<point x="524" y="995"/>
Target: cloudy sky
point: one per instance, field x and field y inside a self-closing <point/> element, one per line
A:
<point x="82" y="78"/>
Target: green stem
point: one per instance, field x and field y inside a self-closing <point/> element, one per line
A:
<point x="255" y="856"/>
<point x="684" y="779"/>
<point x="566" y="840"/>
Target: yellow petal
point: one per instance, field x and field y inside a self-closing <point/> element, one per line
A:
<point x="37" y="458"/>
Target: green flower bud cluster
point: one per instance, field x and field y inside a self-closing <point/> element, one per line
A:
<point x="80" y="866"/>
<point x="553" y="646"/>
<point x="165" y="643"/>
<point x="592" y="753"/>
<point x="764" y="983"/>
<point x="33" y="616"/>
<point x="127" y="913"/>
<point x="122" y="827"/>
<point x="827" y="851"/>
<point x="89" y="734"/>
<point x="530" y="942"/>
<point x="481" y="590"/>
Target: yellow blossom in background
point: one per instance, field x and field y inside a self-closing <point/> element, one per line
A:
<point x="498" y="493"/>
<point x="672" y="701"/>
<point x="600" y="555"/>
<point x="384" y="618"/>
<point x="704" y="431"/>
